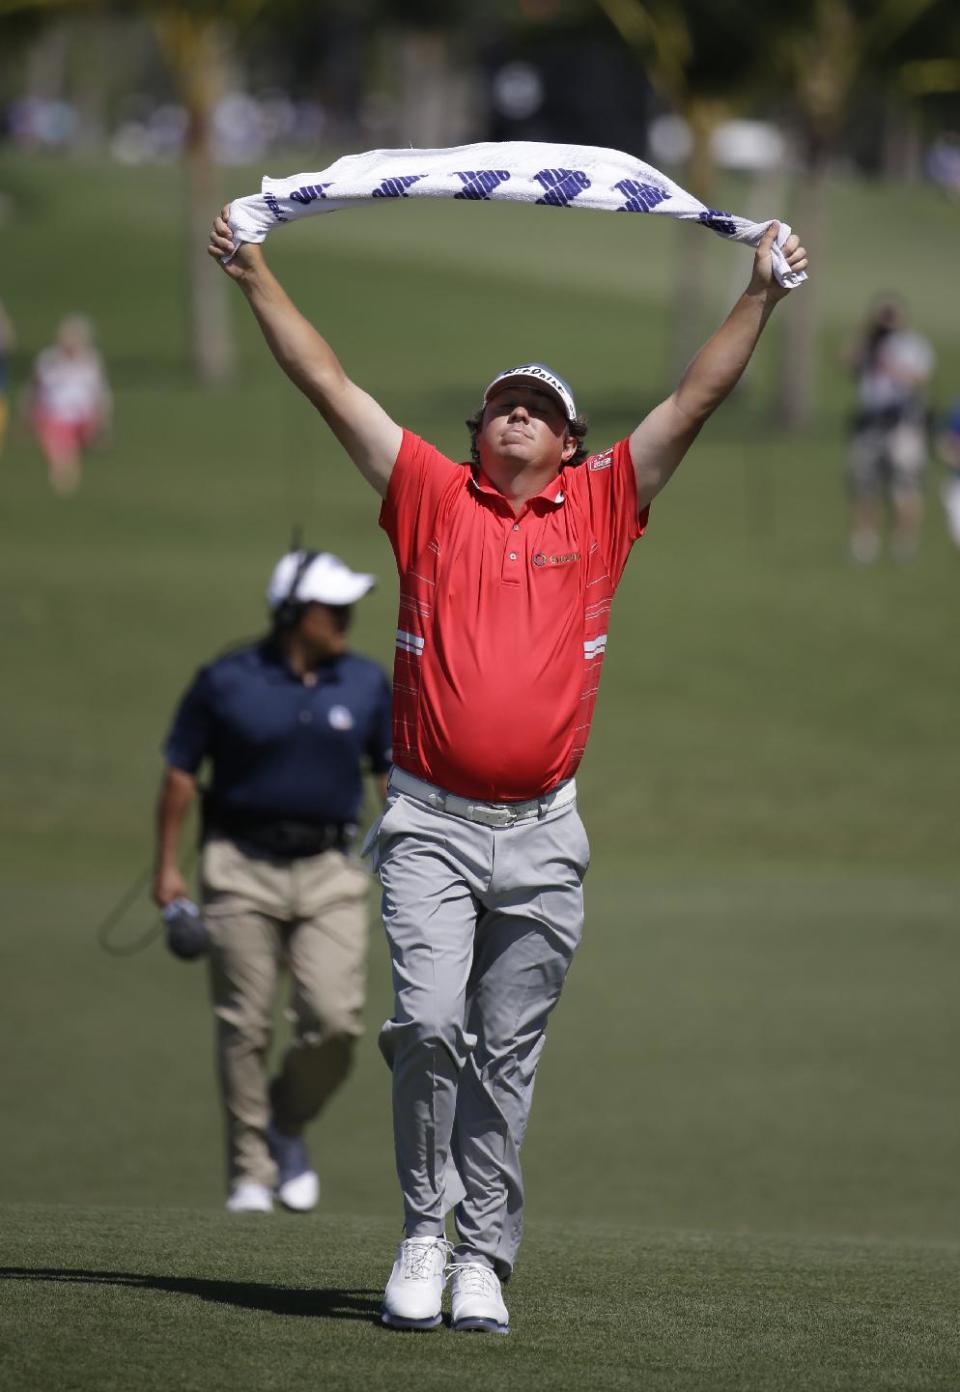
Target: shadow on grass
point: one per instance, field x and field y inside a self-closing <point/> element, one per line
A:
<point x="326" y="1303"/>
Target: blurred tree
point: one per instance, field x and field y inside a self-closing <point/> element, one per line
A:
<point x="700" y="56"/>
<point x="195" y="42"/>
<point x="196" y="38"/>
<point x="825" y="52"/>
<point x="425" y="69"/>
<point x="711" y="57"/>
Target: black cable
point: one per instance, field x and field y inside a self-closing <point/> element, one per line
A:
<point x="115" y="915"/>
<point x="128" y="897"/>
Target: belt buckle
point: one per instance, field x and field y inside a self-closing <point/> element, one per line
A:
<point x="491" y="816"/>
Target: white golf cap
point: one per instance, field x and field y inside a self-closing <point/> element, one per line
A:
<point x="542" y="376"/>
<point x="323" y="580"/>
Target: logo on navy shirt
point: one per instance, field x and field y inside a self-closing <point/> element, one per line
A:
<point x="341" y="718"/>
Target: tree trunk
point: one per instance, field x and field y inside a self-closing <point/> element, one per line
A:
<point x="211" y="339"/>
<point x="196" y="49"/>
<point x="433" y="94"/>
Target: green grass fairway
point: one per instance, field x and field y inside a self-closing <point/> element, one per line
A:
<point x="109" y="1299"/>
<point x="742" y="1163"/>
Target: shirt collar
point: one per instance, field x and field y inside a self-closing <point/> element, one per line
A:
<point x="551" y="495"/>
<point x="277" y="668"/>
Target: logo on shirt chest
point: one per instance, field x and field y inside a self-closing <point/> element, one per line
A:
<point x="542" y="559"/>
<point x="340" y="718"/>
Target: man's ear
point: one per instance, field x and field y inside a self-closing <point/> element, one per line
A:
<point x="570" y="443"/>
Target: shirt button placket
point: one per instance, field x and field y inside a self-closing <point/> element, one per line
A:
<point x="511" y="571"/>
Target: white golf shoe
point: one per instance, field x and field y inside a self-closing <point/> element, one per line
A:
<point x="247" y="1197"/>
<point x="414" y="1292"/>
<point x="298" y="1185"/>
<point x="476" y="1303"/>
<point x="301" y="1193"/>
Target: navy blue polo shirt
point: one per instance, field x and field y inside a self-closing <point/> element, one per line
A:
<point x="279" y="747"/>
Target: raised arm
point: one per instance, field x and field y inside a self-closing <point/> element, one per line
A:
<point x="662" y="439"/>
<point x="361" y="425"/>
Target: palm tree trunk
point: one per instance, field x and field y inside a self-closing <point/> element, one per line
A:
<point x="196" y="49"/>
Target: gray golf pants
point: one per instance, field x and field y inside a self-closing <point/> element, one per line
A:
<point x="482" y="924"/>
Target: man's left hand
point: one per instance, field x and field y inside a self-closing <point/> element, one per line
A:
<point x="763" y="281"/>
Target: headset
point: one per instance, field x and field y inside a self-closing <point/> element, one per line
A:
<point x="288" y="610"/>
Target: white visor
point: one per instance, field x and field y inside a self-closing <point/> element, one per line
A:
<point x="326" y="580"/>
<point x="542" y="376"/>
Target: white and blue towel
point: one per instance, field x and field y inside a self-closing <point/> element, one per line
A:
<point x="557" y="176"/>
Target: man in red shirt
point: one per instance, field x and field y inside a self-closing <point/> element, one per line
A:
<point x="507" y="573"/>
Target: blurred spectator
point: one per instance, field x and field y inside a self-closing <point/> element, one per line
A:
<point x="6" y="344"/>
<point x="888" y="450"/>
<point x="245" y="129"/>
<point x="69" y="401"/>
<point x="948" y="447"/>
<point x="41" y="123"/>
<point x="943" y="162"/>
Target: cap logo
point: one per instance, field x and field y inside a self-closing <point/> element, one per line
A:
<point x="538" y="373"/>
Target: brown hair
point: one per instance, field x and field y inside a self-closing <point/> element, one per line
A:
<point x="577" y="428"/>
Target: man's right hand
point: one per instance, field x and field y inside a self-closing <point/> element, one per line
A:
<point x="169" y="884"/>
<point x="248" y="256"/>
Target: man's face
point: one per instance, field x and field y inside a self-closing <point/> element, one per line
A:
<point x="524" y="424"/>
<point x="324" y="628"/>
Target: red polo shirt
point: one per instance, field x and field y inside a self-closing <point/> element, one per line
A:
<point x="503" y="619"/>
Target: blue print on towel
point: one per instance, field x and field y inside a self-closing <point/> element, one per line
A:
<point x="641" y="198"/>
<point x="271" y="201"/>
<point x="562" y="186"/>
<point x="397" y="186"/>
<point x="480" y="183"/>
<point x="720" y="222"/>
<point x="309" y="193"/>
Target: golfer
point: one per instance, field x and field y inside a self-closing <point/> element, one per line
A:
<point x="508" y="566"/>
<point x="287" y="726"/>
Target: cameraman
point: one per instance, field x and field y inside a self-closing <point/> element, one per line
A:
<point x="287" y="724"/>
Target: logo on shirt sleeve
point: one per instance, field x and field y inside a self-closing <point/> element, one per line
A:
<point x="601" y="461"/>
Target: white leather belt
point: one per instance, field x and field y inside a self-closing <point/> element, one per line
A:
<point x="492" y="814"/>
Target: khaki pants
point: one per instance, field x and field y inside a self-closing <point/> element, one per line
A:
<point x="309" y="915"/>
